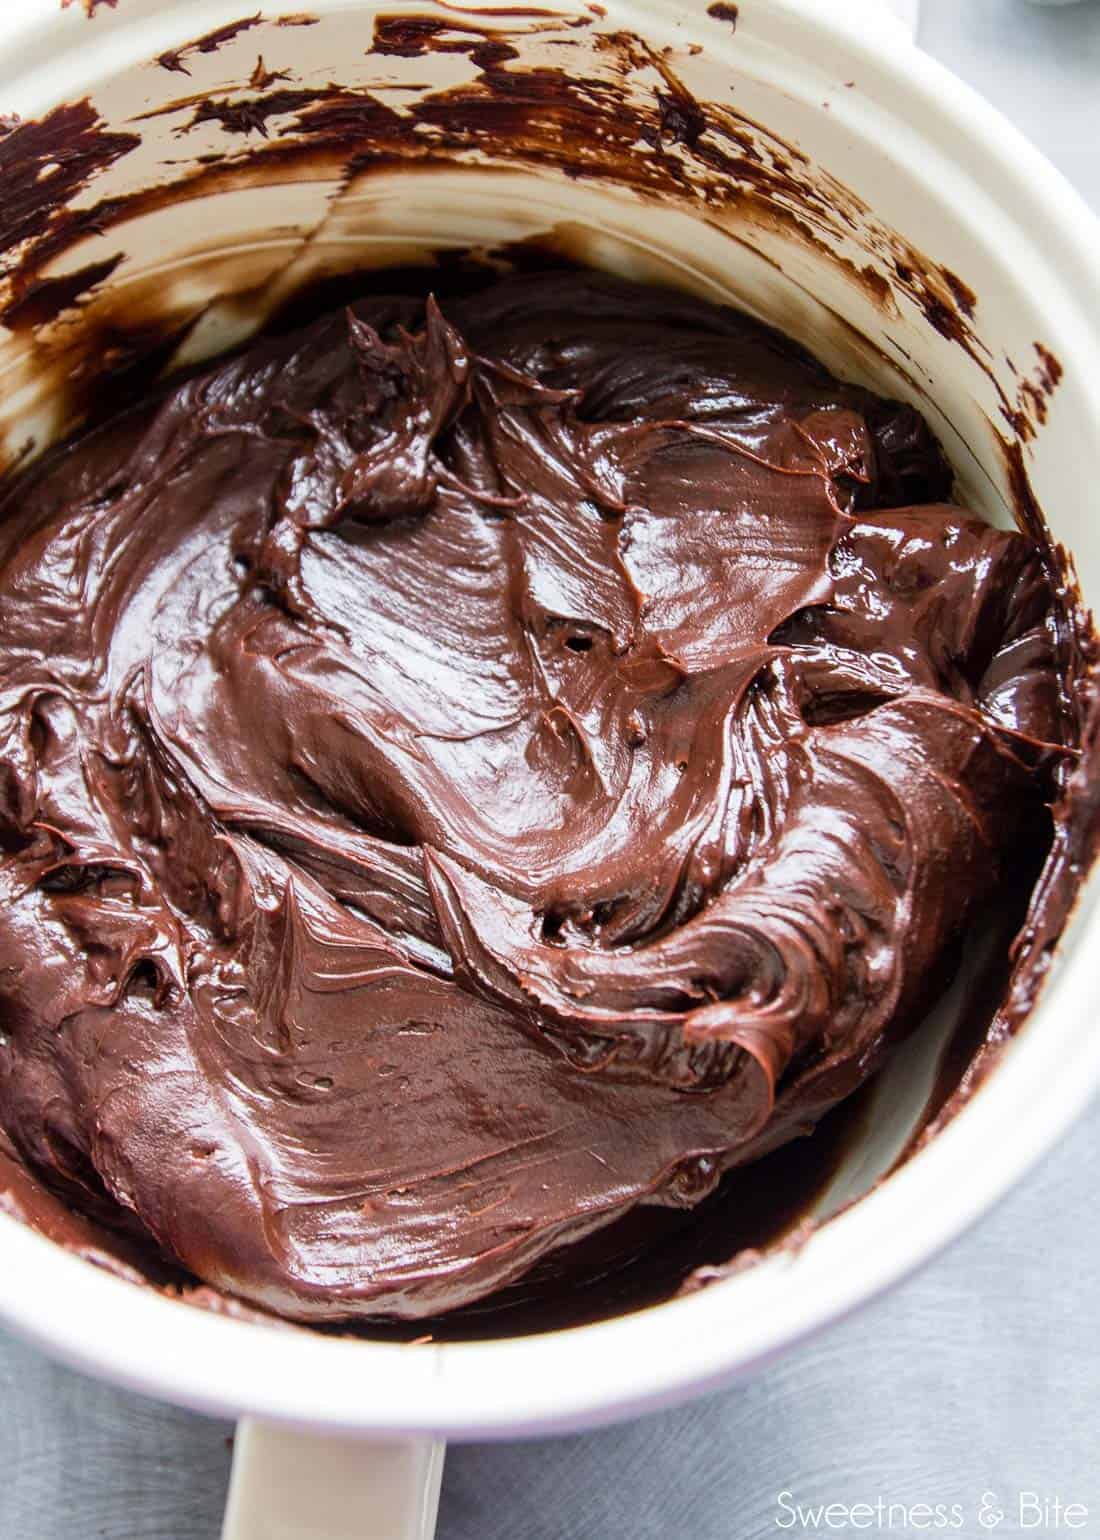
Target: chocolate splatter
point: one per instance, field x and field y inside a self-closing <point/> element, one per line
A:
<point x="172" y="59"/>
<point x="46" y="162"/>
<point x="1050" y="370"/>
<point x="962" y="293"/>
<point x="262" y="78"/>
<point x="721" y="11"/>
<point x="410" y="37"/>
<point x="1032" y="395"/>
<point x="90" y="6"/>
<point x="946" y="302"/>
<point x="250" y="114"/>
<point x="682" y="119"/>
<point x="630" y="120"/>
<point x="45" y="300"/>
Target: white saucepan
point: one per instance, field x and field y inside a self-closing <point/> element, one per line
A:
<point x="341" y="1437"/>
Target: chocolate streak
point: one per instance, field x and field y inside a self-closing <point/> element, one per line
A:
<point x="615" y="110"/>
<point x="471" y="772"/>
<point x="210" y="42"/>
<point x="90" y="6"/>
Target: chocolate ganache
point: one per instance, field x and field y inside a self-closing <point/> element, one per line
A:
<point x="471" y="769"/>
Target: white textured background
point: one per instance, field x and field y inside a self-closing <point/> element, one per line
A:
<point x="982" y="1373"/>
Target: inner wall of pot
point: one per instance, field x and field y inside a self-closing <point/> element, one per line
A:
<point x="223" y="165"/>
<point x="209" y="165"/>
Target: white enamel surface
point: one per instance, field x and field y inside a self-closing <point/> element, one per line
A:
<point x="933" y="162"/>
<point x="293" y="1485"/>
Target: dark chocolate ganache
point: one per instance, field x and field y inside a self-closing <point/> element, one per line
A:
<point x="473" y="769"/>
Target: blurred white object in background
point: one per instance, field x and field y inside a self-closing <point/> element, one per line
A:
<point x="907" y="11"/>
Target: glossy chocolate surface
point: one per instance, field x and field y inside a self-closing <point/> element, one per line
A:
<point x="470" y="771"/>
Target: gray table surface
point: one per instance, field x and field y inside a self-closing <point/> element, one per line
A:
<point x="981" y="1374"/>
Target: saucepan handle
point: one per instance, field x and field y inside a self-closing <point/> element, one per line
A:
<point x="290" y="1484"/>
